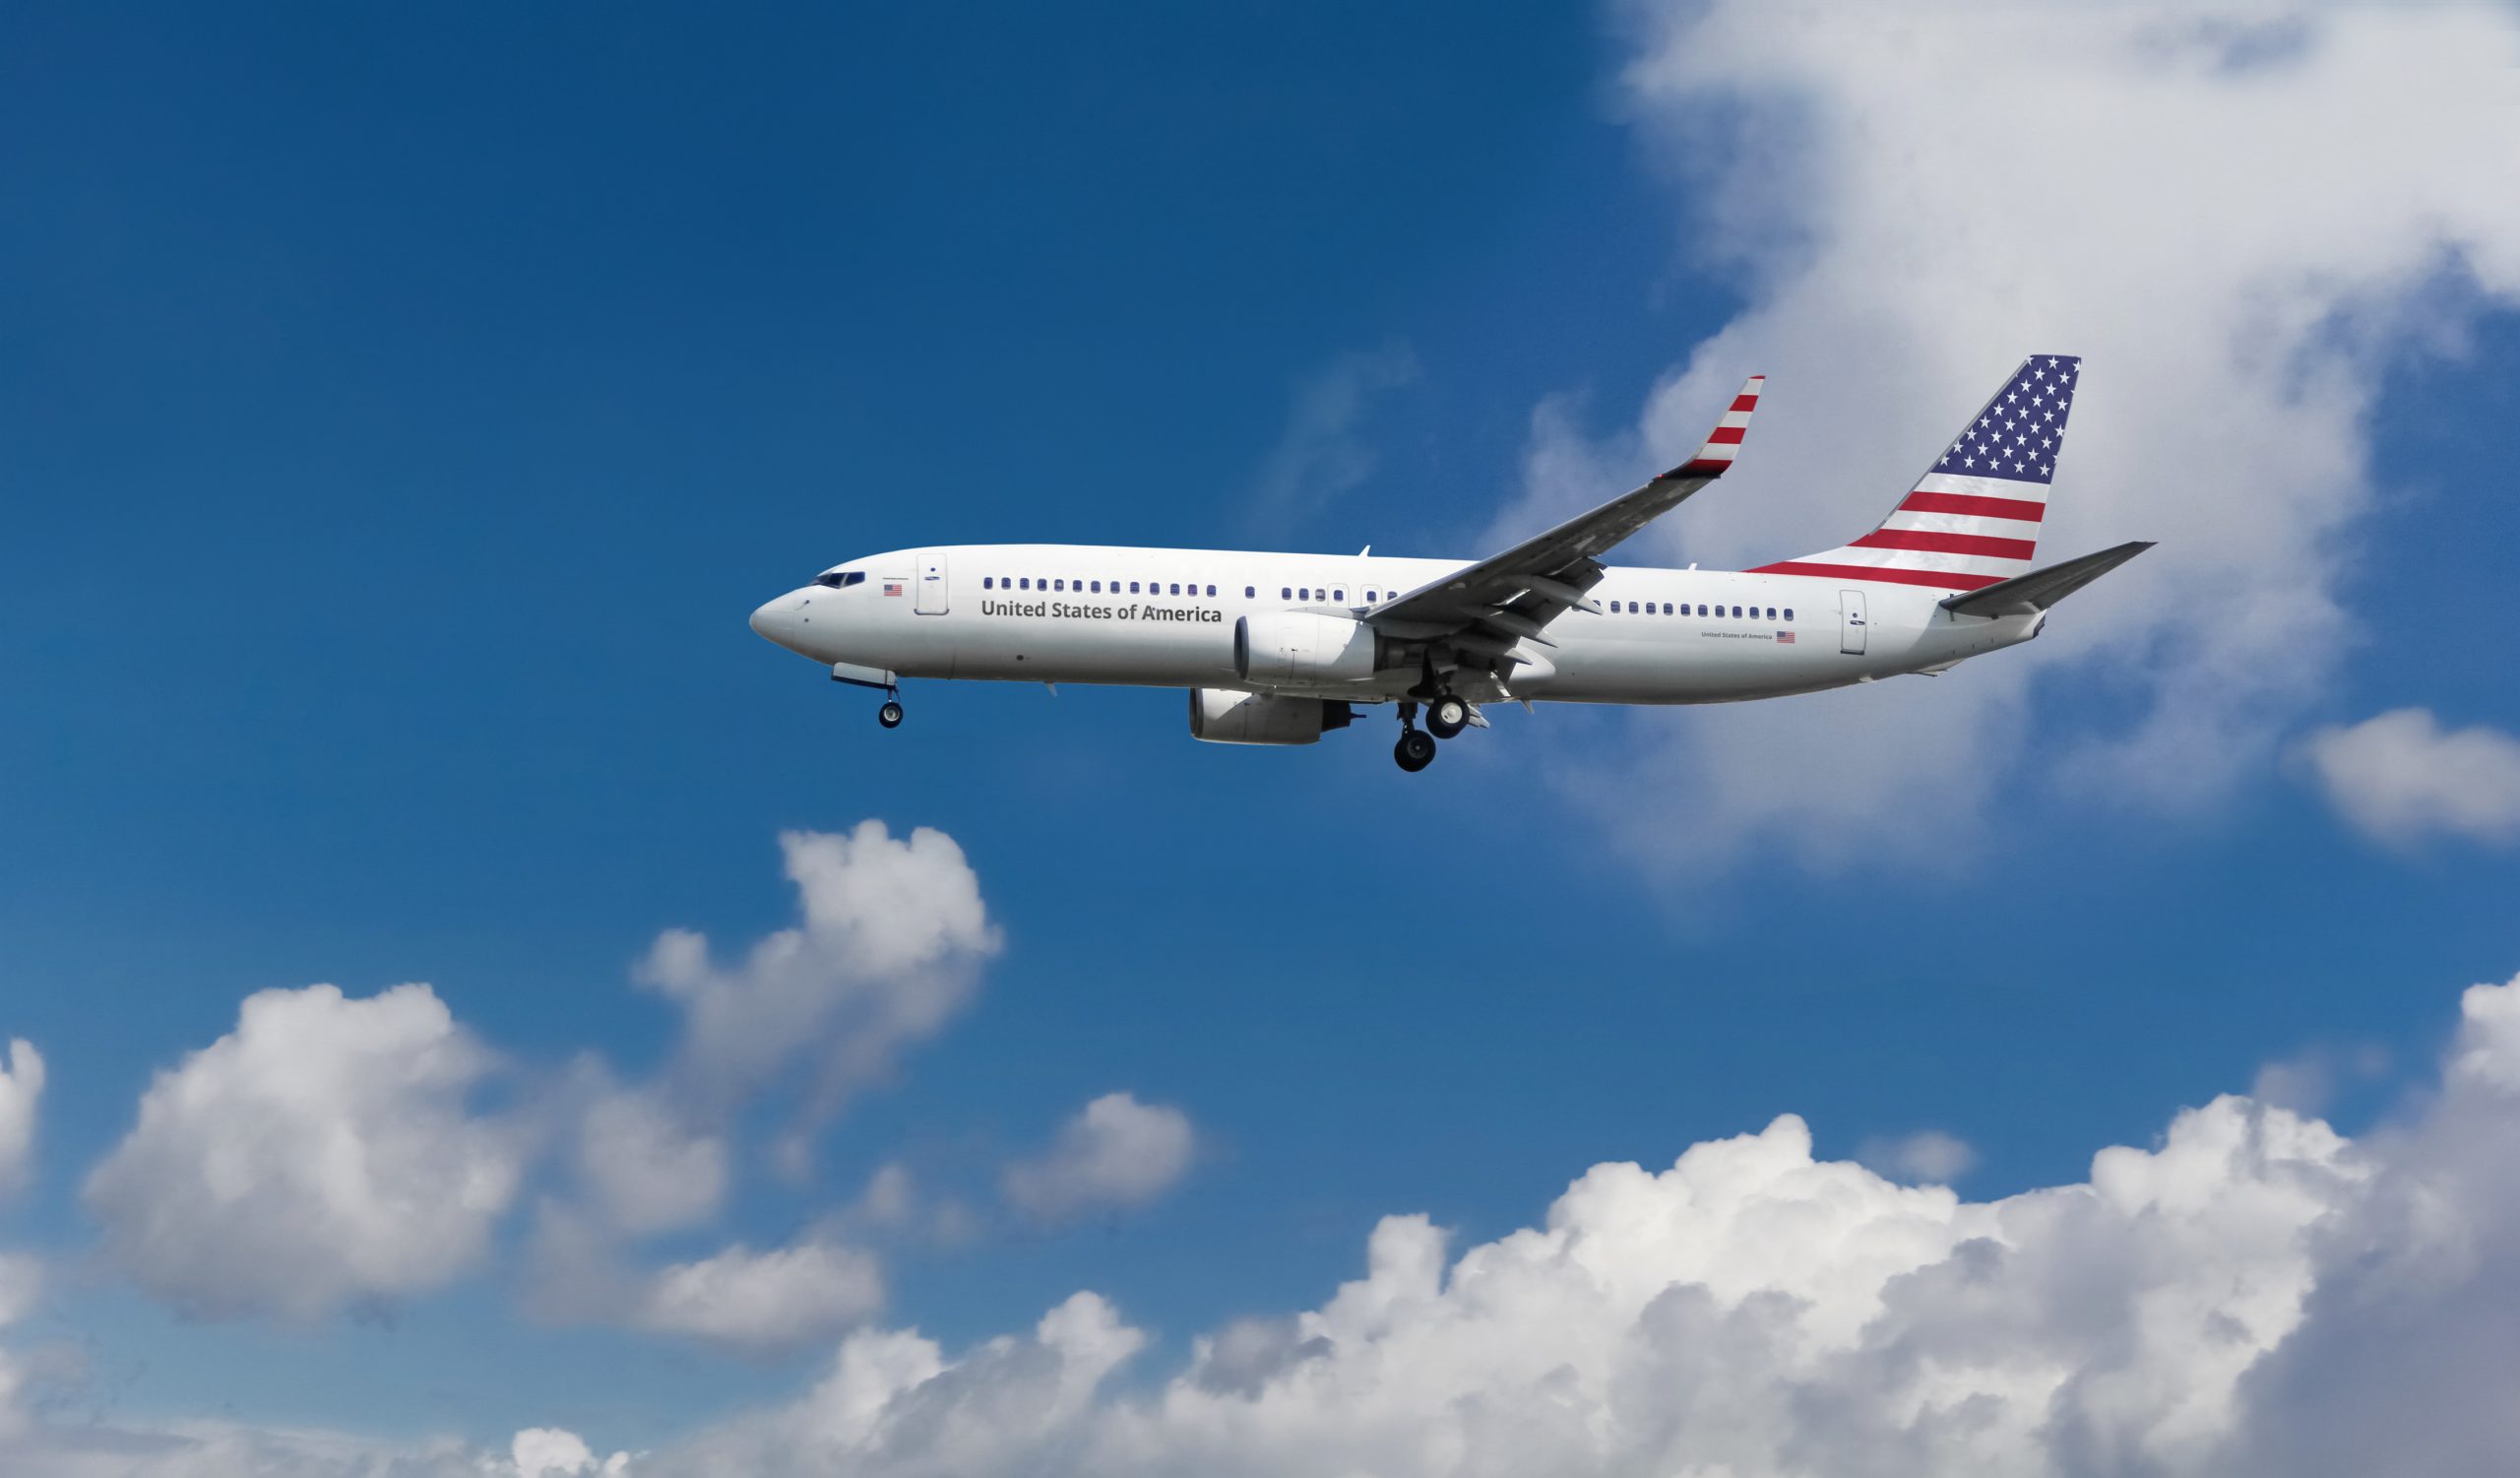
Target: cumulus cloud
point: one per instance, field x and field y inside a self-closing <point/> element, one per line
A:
<point x="765" y="1302"/>
<point x="893" y="933"/>
<point x="1321" y="456"/>
<point x="2401" y="779"/>
<point x="891" y="1403"/>
<point x="1912" y="198"/>
<point x="2253" y="1295"/>
<point x="1114" y="1153"/>
<point x="21" y="1088"/>
<point x="554" y="1452"/>
<point x="323" y="1152"/>
<point x="1928" y="1155"/>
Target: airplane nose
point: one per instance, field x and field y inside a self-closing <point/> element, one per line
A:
<point x="781" y="620"/>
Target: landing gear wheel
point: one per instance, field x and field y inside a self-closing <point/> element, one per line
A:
<point x="1416" y="751"/>
<point x="890" y="715"/>
<point x="1447" y="716"/>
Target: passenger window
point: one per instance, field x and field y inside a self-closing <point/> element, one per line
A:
<point x="1027" y="583"/>
<point x="1251" y="592"/>
<point x="1338" y="595"/>
<point x="1212" y="590"/>
<point x="1304" y="592"/>
<point x="1789" y="612"/>
<point x="1286" y="592"/>
<point x="985" y="582"/>
<point x="1770" y="613"/>
<point x="1667" y="608"/>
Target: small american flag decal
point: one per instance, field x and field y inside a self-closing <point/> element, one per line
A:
<point x="892" y="587"/>
<point x="1784" y="638"/>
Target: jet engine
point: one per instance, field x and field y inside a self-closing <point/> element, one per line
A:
<point x="1221" y="715"/>
<point x="1298" y="646"/>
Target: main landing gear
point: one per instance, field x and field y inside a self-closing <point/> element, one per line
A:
<point x="1447" y="717"/>
<point x="1417" y="747"/>
<point x="890" y="715"/>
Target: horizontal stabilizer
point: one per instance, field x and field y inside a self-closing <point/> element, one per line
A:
<point x="2026" y="594"/>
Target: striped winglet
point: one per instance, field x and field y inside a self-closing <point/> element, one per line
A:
<point x="1724" y="443"/>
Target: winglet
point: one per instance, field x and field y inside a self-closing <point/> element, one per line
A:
<point x="1724" y="443"/>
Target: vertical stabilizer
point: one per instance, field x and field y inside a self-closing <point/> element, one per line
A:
<point x="1973" y="519"/>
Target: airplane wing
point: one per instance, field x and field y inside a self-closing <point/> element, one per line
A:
<point x="1488" y="608"/>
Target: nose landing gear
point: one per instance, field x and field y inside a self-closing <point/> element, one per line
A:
<point x="890" y="715"/>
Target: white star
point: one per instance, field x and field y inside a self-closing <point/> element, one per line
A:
<point x="2051" y="416"/>
<point x="2011" y="397"/>
<point x="2051" y="362"/>
<point x="2016" y="467"/>
<point x="2048" y="471"/>
<point x="1968" y="461"/>
<point x="2039" y="374"/>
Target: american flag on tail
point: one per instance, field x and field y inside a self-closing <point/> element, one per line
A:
<point x="1974" y="517"/>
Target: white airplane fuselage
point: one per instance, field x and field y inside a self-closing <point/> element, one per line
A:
<point x="1087" y="613"/>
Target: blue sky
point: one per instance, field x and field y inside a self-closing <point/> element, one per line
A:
<point x="400" y="413"/>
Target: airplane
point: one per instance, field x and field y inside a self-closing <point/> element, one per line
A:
<point x="1280" y="649"/>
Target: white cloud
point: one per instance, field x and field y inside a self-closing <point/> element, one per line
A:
<point x="894" y="930"/>
<point x="1116" y="1152"/>
<point x="2254" y="1296"/>
<point x="2401" y="777"/>
<point x="645" y="1169"/>
<point x="765" y="1302"/>
<point x="320" y="1153"/>
<point x="554" y="1452"/>
<point x="21" y="1088"/>
<point x="1320" y="457"/>
<point x="2241" y="215"/>
<point x="226" y="1449"/>
<point x="893" y="1404"/>
<point x="1927" y="1155"/>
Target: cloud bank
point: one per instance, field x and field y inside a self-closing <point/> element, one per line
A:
<point x="2241" y="215"/>
<point x="2254" y="1294"/>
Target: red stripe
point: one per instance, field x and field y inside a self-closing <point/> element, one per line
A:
<point x="1948" y="544"/>
<point x="1946" y="579"/>
<point x="1967" y="503"/>
<point x="1733" y="434"/>
<point x="1745" y="402"/>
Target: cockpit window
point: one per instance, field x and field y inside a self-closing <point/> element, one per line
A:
<point x="841" y="579"/>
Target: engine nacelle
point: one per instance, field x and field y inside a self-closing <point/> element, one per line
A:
<point x="1298" y="646"/>
<point x="1221" y="715"/>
